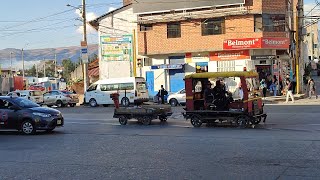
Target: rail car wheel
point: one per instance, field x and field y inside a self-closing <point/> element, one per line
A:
<point x="123" y="120"/>
<point x="256" y="121"/>
<point x="146" y="120"/>
<point x="196" y="121"/>
<point x="242" y="121"/>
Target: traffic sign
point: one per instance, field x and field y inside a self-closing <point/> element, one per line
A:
<point x="85" y="58"/>
<point x="83" y="43"/>
<point x="84" y="50"/>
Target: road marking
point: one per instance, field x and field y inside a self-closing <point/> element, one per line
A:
<point x="93" y="123"/>
<point x="89" y="119"/>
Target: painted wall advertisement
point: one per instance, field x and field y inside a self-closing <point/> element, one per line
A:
<point x="116" y="48"/>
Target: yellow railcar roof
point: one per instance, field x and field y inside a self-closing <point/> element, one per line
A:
<point x="223" y="74"/>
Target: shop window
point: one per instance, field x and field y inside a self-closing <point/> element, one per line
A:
<point x="226" y="66"/>
<point x="145" y="27"/>
<point x="258" y="26"/>
<point x="147" y="61"/>
<point x="270" y="23"/>
<point x="174" y="30"/>
<point x="212" y="26"/>
<point x="201" y="67"/>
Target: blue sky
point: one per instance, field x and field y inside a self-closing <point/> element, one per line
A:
<point x="22" y="22"/>
<point x="33" y="24"/>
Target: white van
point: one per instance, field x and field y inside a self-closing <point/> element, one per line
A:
<point x="131" y="90"/>
<point x="33" y="95"/>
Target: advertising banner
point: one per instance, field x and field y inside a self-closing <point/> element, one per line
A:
<point x="256" y="43"/>
<point x="116" y="48"/>
<point x="229" y="55"/>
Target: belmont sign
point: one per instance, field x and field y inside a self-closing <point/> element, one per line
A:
<point x="229" y="55"/>
<point x="256" y="43"/>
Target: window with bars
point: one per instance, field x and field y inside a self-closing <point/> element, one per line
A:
<point x="225" y="66"/>
<point x="270" y="23"/>
<point x="212" y="26"/>
<point x="174" y="30"/>
<point x="147" y="62"/>
<point x="145" y="27"/>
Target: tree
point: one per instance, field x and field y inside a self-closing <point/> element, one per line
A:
<point x="68" y="67"/>
<point x="32" y="71"/>
<point x="93" y="58"/>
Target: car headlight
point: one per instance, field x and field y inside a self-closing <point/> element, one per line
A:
<point x="41" y="114"/>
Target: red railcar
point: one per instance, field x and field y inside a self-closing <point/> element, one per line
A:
<point x="239" y="103"/>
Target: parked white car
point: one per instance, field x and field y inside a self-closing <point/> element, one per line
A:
<point x="177" y="98"/>
<point x="56" y="98"/>
<point x="33" y="95"/>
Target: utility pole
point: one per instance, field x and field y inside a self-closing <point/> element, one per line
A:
<point x="10" y="64"/>
<point x="44" y="68"/>
<point x="55" y="64"/>
<point x="37" y="74"/>
<point x="22" y="63"/>
<point x="299" y="22"/>
<point x="84" y="66"/>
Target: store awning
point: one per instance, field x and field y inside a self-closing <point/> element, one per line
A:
<point x="168" y="66"/>
<point x="94" y="72"/>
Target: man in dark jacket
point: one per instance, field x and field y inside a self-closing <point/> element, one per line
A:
<point x="162" y="92"/>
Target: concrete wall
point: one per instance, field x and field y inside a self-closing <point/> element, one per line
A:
<point x="77" y="73"/>
<point x="121" y="22"/>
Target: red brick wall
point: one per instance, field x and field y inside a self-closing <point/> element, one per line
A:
<point x="191" y="39"/>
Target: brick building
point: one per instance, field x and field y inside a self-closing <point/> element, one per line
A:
<point x="200" y="36"/>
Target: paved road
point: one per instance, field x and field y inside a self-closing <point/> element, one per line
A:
<point x="93" y="146"/>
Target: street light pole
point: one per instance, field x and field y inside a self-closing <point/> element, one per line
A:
<point x="85" y="68"/>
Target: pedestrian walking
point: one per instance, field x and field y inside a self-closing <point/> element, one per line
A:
<point x="312" y="89"/>
<point x="273" y="86"/>
<point x="289" y="88"/>
<point x="161" y="94"/>
<point x="263" y="86"/>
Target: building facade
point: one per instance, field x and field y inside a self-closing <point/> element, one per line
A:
<point x="235" y="35"/>
<point x="116" y="30"/>
<point x="311" y="39"/>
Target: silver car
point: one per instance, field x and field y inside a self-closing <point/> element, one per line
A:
<point x="177" y="98"/>
<point x="55" y="98"/>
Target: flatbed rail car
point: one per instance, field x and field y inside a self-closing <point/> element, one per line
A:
<point x="145" y="114"/>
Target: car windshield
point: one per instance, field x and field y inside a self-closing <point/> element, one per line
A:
<point x="141" y="86"/>
<point x="24" y="103"/>
<point x="35" y="93"/>
<point x="67" y="92"/>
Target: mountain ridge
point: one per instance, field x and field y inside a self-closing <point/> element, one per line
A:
<point x="35" y="55"/>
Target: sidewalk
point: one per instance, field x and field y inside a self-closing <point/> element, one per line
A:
<point x="277" y="99"/>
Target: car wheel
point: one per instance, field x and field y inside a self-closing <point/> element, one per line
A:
<point x="72" y="105"/>
<point x="59" y="104"/>
<point x="125" y="102"/>
<point x="173" y="102"/>
<point x="93" y="103"/>
<point x="28" y="128"/>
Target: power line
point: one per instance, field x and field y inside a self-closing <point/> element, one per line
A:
<point x="318" y="3"/>
<point x="37" y="19"/>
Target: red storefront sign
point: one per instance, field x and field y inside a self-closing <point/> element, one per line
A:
<point x="229" y="55"/>
<point x="256" y="43"/>
<point x="275" y="43"/>
<point x="247" y="43"/>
